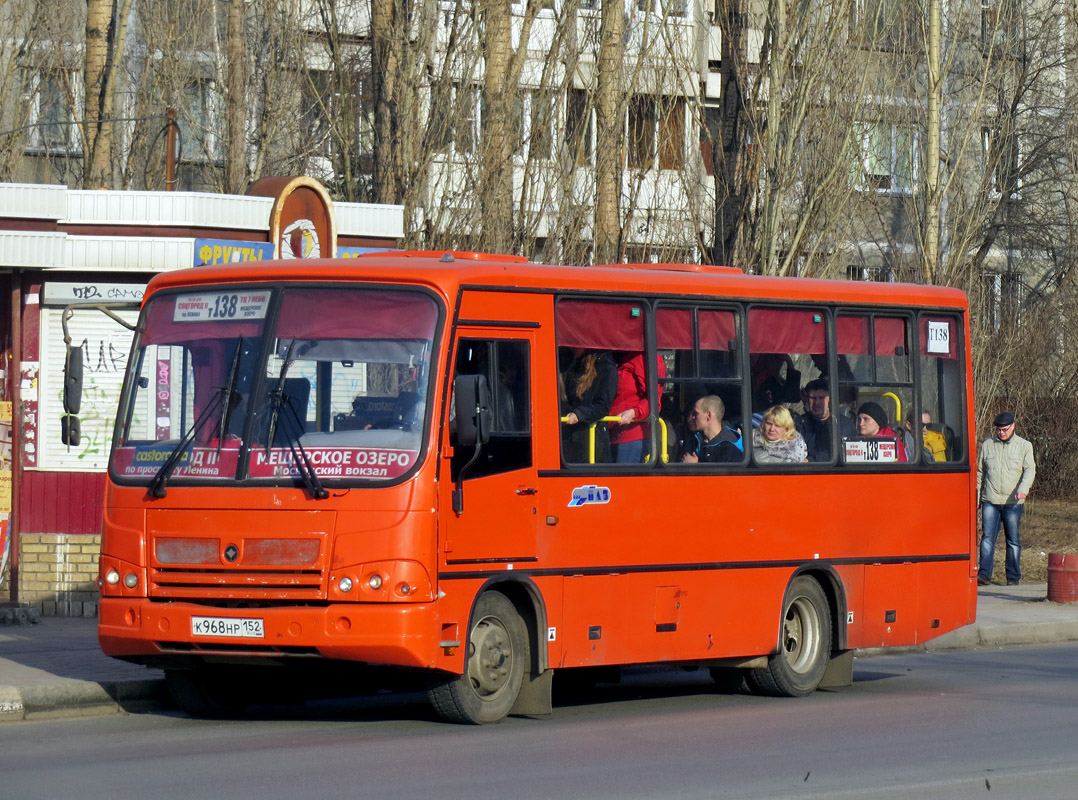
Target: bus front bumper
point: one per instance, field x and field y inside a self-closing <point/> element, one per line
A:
<point x="398" y="634"/>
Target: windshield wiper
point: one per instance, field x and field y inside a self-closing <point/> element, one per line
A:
<point x="277" y="395"/>
<point x="279" y="399"/>
<point x="299" y="455"/>
<point x="157" y="485"/>
<point x="232" y="397"/>
<point x="225" y="397"/>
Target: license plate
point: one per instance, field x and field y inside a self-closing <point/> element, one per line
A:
<point x="243" y="627"/>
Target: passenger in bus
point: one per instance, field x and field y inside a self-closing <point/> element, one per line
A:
<point x="769" y="385"/>
<point x="777" y="441"/>
<point x="631" y="404"/>
<point x="935" y="445"/>
<point x="587" y="389"/>
<point x="711" y="439"/>
<point x="872" y="421"/>
<point x="815" y="424"/>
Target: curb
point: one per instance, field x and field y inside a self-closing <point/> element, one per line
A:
<point x="73" y="698"/>
<point x="988" y="636"/>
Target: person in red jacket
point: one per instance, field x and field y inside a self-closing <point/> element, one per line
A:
<point x="628" y="437"/>
<point x="872" y="421"/>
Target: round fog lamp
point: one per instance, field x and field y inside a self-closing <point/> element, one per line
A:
<point x="345" y="584"/>
<point x="375" y="581"/>
<point x="112" y="577"/>
<point x="131" y="580"/>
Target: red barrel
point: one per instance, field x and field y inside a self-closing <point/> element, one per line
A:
<point x="1062" y="577"/>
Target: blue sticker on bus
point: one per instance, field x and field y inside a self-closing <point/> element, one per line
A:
<point x="583" y="495"/>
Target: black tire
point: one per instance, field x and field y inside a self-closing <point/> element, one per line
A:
<point x="211" y="694"/>
<point x="498" y="652"/>
<point x="804" y="644"/>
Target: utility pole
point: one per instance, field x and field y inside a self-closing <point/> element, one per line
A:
<point x="932" y="151"/>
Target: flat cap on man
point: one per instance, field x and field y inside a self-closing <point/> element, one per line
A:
<point x="1004" y="419"/>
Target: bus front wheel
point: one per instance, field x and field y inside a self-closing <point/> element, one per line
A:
<point x="213" y="694"/>
<point x="494" y="668"/>
<point x="805" y="644"/>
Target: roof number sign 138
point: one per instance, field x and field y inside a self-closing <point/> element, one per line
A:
<point x="221" y="306"/>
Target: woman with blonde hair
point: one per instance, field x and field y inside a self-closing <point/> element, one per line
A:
<point x="777" y="441"/>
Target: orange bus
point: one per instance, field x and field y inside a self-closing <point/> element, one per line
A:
<point x="410" y="460"/>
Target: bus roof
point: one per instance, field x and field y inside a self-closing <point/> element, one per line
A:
<point x="449" y="271"/>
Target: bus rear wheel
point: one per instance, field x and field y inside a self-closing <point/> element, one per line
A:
<point x="494" y="667"/>
<point x="805" y="644"/>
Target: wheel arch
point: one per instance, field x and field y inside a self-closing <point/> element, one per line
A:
<point x="529" y="603"/>
<point x="835" y="590"/>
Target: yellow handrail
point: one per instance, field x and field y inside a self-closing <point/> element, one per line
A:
<point x="591" y="434"/>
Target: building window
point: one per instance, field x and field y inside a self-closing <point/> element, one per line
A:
<point x="318" y="107"/>
<point x="534" y="120"/>
<point x="888" y="157"/>
<point x="664" y="8"/>
<point x="1004" y="292"/>
<point x="455" y="116"/>
<point x="656" y="132"/>
<point x="887" y="24"/>
<point x="199" y="140"/>
<point x="997" y="17"/>
<point x="1002" y="154"/>
<point x="52" y="95"/>
<point x="579" y="125"/>
<point x="858" y="272"/>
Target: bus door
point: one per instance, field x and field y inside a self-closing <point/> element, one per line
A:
<point x="497" y="517"/>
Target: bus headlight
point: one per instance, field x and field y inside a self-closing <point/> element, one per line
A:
<point x="345" y="584"/>
<point x="112" y="577"/>
<point x="375" y="582"/>
<point x="131" y="580"/>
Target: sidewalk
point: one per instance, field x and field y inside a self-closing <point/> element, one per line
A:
<point x="56" y="669"/>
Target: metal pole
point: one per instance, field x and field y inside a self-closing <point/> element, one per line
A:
<point x="170" y="150"/>
<point x="15" y="377"/>
<point x="932" y="151"/>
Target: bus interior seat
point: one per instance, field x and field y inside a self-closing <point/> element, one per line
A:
<point x="404" y="410"/>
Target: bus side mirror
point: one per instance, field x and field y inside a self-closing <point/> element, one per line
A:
<point x="70" y="427"/>
<point x="70" y="430"/>
<point x="73" y="381"/>
<point x="474" y="416"/>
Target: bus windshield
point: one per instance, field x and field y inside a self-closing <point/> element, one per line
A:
<point x="277" y="384"/>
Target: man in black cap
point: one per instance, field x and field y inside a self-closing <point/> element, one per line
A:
<point x="1005" y="472"/>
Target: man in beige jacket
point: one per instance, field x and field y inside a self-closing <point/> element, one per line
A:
<point x="1005" y="472"/>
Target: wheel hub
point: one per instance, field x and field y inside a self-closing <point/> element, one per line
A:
<point x="492" y="657"/>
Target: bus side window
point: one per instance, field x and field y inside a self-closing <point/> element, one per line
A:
<point x="790" y="366"/>
<point x="506" y="363"/>
<point x="942" y="390"/>
<point x="878" y="350"/>
<point x="700" y="349"/>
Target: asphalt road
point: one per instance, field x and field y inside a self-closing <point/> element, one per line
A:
<point x="986" y="723"/>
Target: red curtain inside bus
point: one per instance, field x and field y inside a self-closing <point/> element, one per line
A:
<point x="162" y="327"/>
<point x="600" y="326"/>
<point x="783" y="330"/>
<point x="673" y="329"/>
<point x="853" y="335"/>
<point x="356" y="314"/>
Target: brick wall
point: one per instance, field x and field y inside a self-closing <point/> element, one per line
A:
<point x="58" y="573"/>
